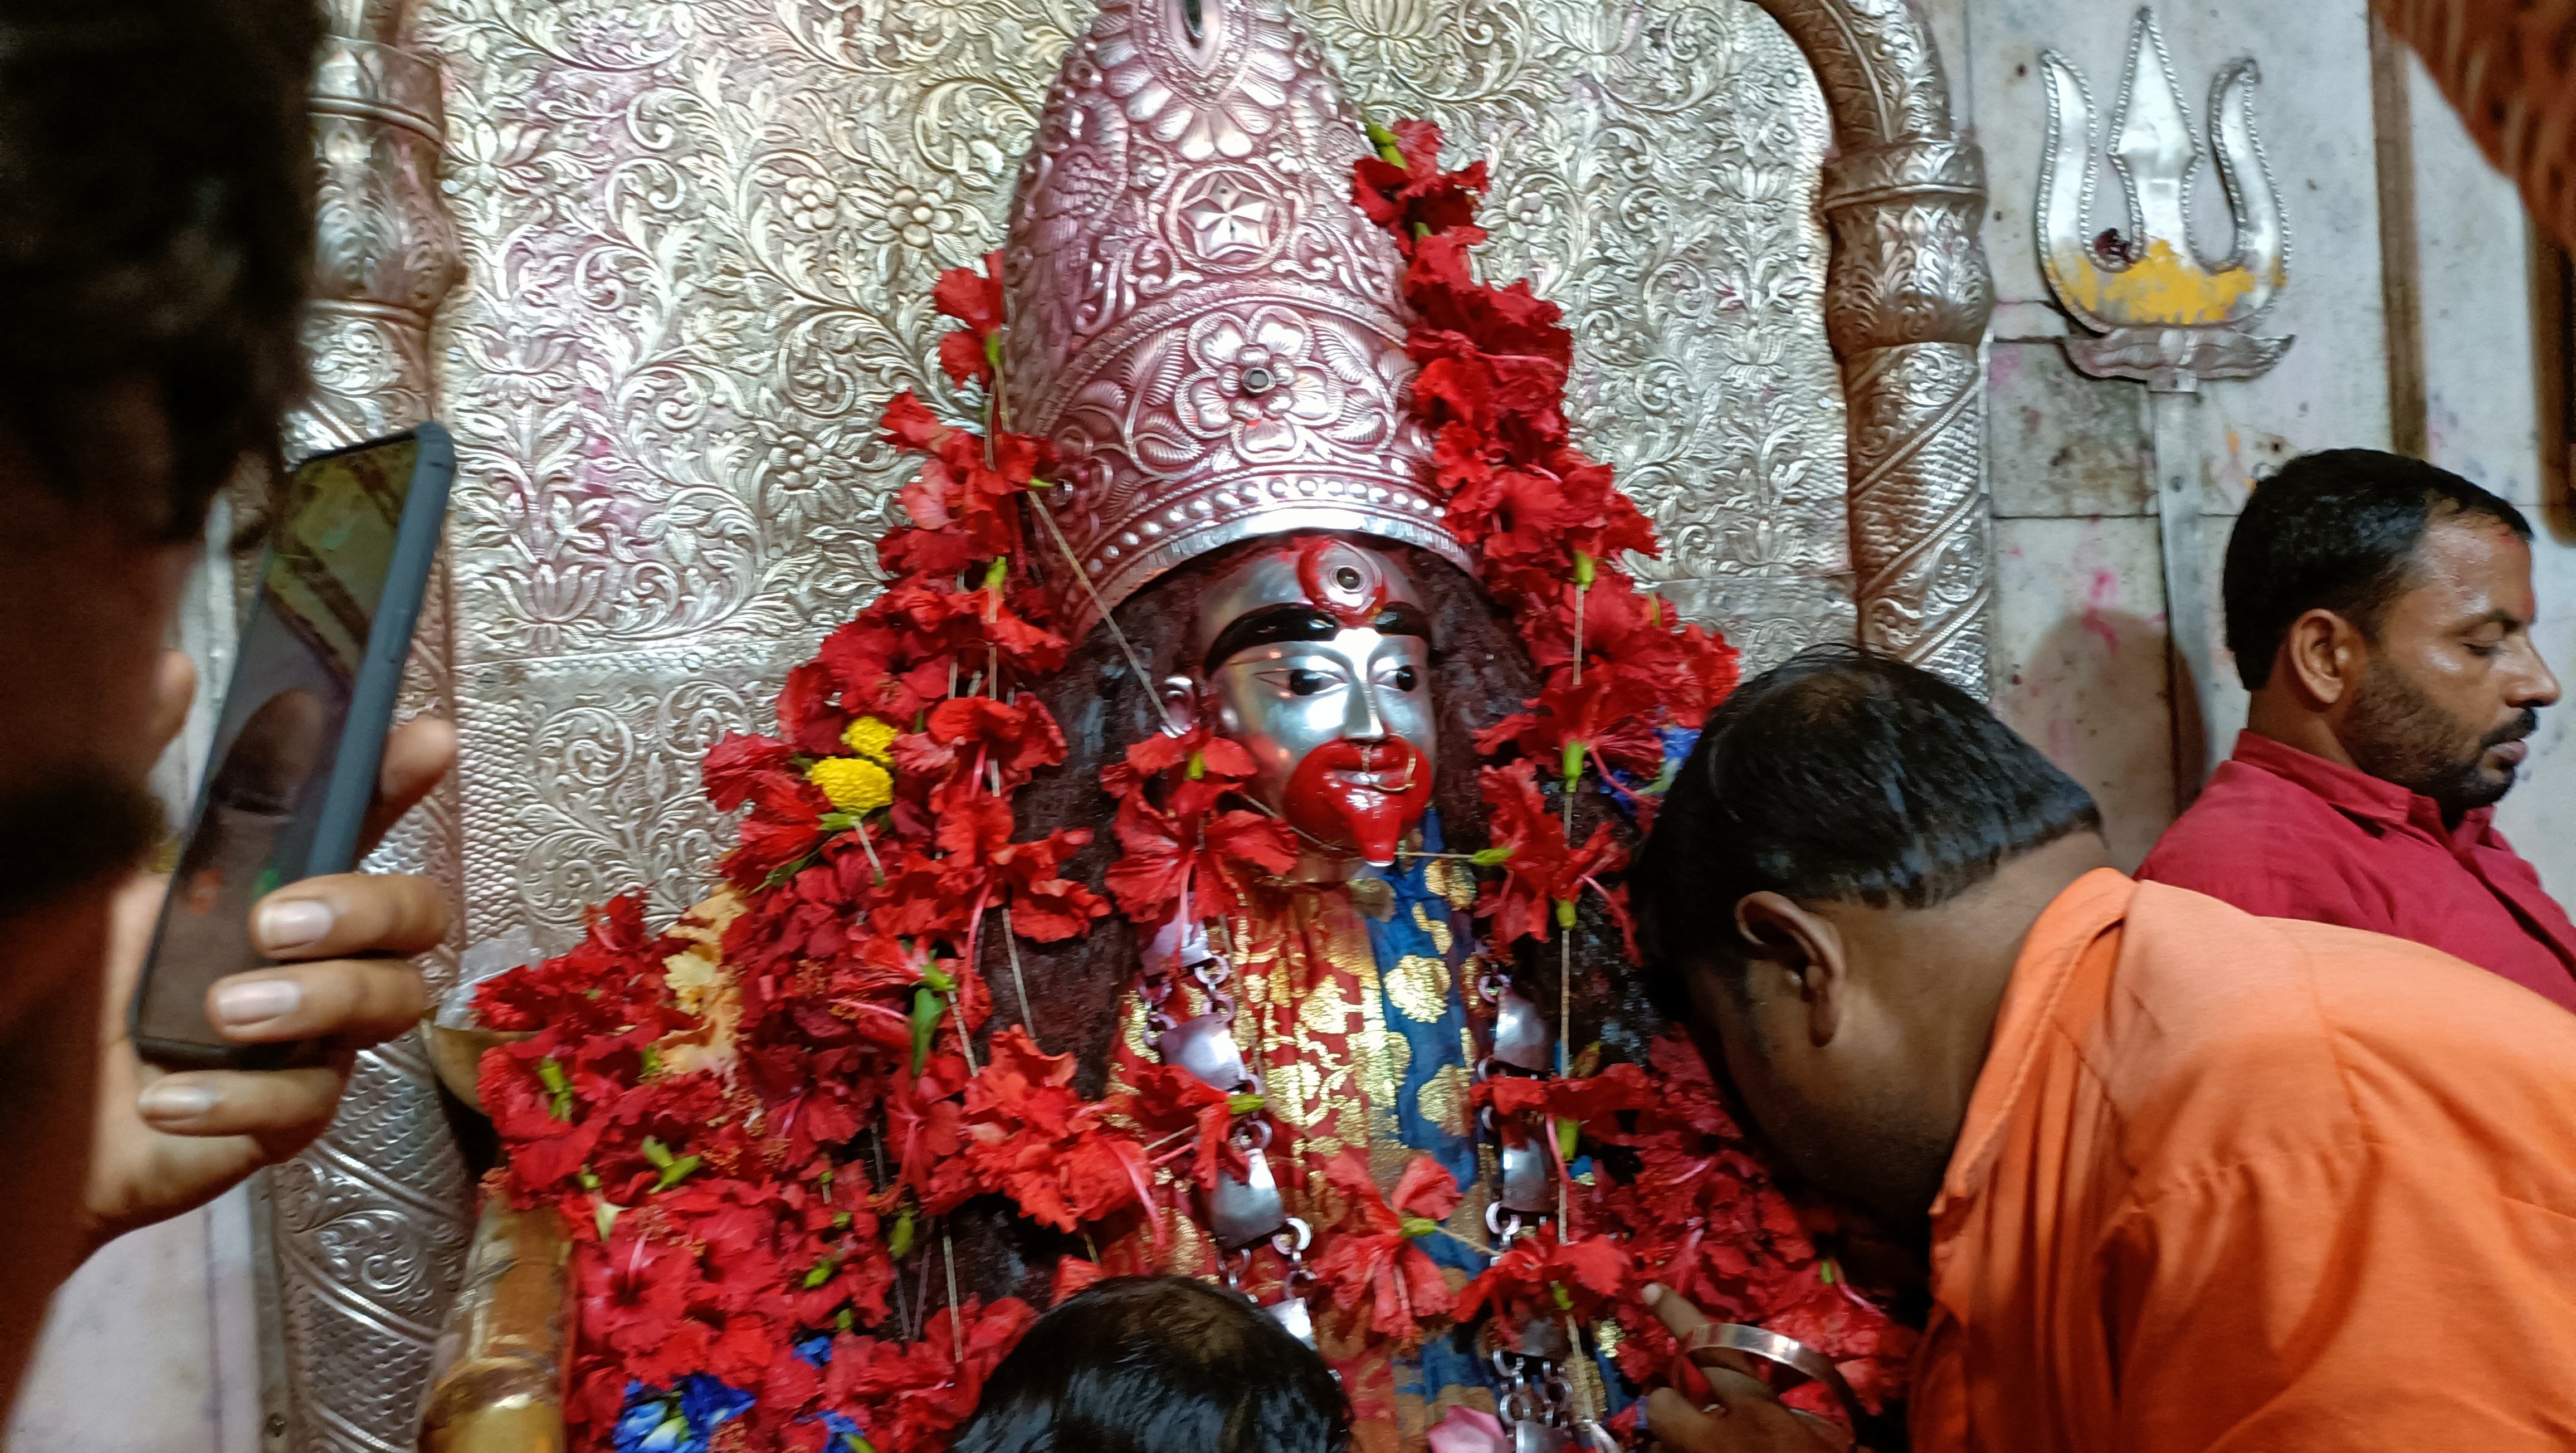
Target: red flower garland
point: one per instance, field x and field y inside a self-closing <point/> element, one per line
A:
<point x="749" y="1119"/>
<point x="693" y="1101"/>
<point x="1549" y="524"/>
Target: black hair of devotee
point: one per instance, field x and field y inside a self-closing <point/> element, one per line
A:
<point x="1158" y="1364"/>
<point x="156" y="228"/>
<point x="1480" y="673"/>
<point x="1840" y="774"/>
<point x="2336" y="530"/>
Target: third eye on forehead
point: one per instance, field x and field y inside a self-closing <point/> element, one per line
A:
<point x="1281" y="624"/>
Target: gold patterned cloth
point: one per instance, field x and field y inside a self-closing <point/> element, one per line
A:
<point x="1356" y="1009"/>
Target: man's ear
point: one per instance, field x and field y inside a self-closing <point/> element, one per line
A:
<point x="1804" y="949"/>
<point x="2322" y="657"/>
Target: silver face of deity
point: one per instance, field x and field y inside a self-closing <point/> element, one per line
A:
<point x="1360" y="697"/>
<point x="1283" y="701"/>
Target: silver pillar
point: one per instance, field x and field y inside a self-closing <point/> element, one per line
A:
<point x="367" y="1229"/>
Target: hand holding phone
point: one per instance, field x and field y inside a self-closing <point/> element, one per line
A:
<point x="302" y="729"/>
<point x="167" y="1142"/>
<point x="272" y="955"/>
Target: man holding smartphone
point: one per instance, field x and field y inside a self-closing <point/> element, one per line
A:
<point x="155" y="228"/>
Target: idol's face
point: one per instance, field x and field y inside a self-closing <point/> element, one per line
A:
<point x="1316" y="658"/>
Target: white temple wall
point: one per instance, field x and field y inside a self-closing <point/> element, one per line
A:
<point x="2081" y="663"/>
<point x="2481" y="415"/>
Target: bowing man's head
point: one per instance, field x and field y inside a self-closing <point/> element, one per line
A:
<point x="1834" y="893"/>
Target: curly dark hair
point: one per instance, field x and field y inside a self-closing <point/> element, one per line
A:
<point x="156" y="226"/>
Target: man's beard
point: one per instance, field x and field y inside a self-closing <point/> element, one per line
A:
<point x="2398" y="734"/>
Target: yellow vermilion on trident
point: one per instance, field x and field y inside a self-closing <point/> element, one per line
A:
<point x="2166" y="288"/>
<point x="2149" y="276"/>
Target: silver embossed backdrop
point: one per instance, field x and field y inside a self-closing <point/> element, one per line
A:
<point x="699" y="238"/>
<point x="700" y="242"/>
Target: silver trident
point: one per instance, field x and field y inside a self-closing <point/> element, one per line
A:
<point x="2155" y="311"/>
<point x="2164" y="316"/>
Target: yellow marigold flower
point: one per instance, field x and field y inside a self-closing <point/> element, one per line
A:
<point x="870" y="738"/>
<point x="855" y="784"/>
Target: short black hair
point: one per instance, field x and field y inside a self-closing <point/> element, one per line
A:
<point x="1158" y="1364"/>
<point x="1840" y="774"/>
<point x="2336" y="530"/>
<point x="156" y="225"/>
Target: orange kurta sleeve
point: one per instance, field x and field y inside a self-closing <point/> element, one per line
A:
<point x="2377" y="1295"/>
<point x="2232" y="1183"/>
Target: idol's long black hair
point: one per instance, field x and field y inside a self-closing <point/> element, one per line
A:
<point x="1159" y="1364"/>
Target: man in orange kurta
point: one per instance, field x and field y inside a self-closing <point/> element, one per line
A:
<point x="2183" y="1179"/>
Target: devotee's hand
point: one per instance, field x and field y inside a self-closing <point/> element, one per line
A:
<point x="169" y="1142"/>
<point x="1746" y="1417"/>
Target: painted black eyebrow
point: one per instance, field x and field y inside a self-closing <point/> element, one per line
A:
<point x="1268" y="627"/>
<point x="1403" y="618"/>
<point x="1272" y="625"/>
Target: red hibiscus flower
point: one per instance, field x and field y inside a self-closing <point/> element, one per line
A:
<point x="972" y="297"/>
<point x="1632" y="633"/>
<point x="1187" y="846"/>
<point x="1167" y="1103"/>
<point x="738" y="763"/>
<point x="916" y="1394"/>
<point x="1541" y="1276"/>
<point x="969" y="482"/>
<point x="1072" y="1274"/>
<point x="876" y="665"/>
<point x="1540" y="871"/>
<point x="1031" y="1137"/>
<point x="1016" y="736"/>
<point x="1410" y="195"/>
<point x="926" y="1133"/>
<point x="1591" y="1101"/>
<point x="1611" y="716"/>
<point x="1376" y="1264"/>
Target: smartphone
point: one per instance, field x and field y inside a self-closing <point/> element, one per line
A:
<point x="297" y="746"/>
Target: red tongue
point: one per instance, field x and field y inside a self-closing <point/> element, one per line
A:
<point x="1376" y="821"/>
<point x="1340" y="794"/>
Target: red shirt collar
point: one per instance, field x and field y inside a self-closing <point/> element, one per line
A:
<point x="2355" y="792"/>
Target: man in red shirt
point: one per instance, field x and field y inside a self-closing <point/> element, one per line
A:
<point x="2380" y="611"/>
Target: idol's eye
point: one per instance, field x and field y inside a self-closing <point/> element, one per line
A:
<point x="1404" y="678"/>
<point x="1302" y="680"/>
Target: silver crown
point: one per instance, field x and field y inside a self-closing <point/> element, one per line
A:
<point x="1201" y="322"/>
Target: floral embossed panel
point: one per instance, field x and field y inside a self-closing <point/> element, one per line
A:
<point x="701" y="240"/>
